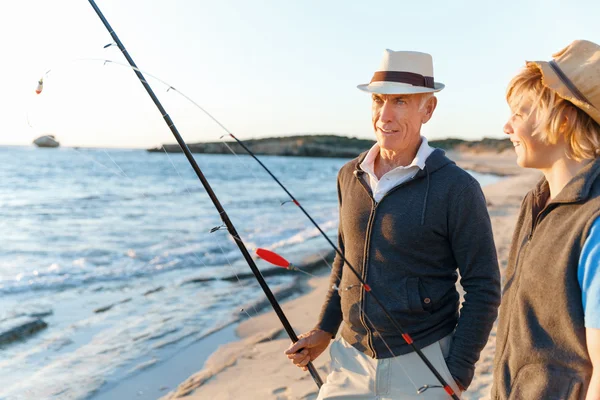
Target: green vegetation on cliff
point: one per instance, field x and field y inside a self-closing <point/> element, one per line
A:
<point x="326" y="146"/>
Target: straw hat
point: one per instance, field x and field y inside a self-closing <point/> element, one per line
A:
<point x="403" y="72"/>
<point x="574" y="74"/>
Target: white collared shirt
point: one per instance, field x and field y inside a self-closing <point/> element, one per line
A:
<point x="398" y="175"/>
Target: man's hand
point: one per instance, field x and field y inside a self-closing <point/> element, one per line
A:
<point x="312" y="343"/>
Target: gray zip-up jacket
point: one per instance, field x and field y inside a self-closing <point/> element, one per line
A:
<point x="408" y="248"/>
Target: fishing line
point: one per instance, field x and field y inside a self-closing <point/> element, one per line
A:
<point x="121" y="173"/>
<point x="240" y="160"/>
<point x="232" y="268"/>
<point x="92" y="159"/>
<point x="117" y="165"/>
<point x="194" y="253"/>
<point x="229" y="262"/>
<point x="46" y="77"/>
<point x="238" y="281"/>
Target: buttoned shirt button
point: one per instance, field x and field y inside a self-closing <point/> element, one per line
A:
<point x="427" y="300"/>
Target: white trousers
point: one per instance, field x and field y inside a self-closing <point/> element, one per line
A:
<point x="355" y="375"/>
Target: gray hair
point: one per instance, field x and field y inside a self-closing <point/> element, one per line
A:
<point x="424" y="98"/>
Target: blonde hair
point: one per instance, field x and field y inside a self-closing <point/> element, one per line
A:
<point x="556" y="116"/>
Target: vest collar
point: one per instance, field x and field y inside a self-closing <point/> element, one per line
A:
<point x="578" y="188"/>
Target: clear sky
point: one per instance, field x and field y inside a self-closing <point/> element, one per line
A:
<point x="263" y="68"/>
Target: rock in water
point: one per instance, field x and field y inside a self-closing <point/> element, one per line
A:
<point x="46" y="141"/>
<point x="19" y="328"/>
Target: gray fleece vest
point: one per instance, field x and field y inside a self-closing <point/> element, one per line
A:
<point x="408" y="248"/>
<point x="541" y="350"/>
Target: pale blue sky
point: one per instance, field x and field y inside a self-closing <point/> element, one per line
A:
<point x="263" y="68"/>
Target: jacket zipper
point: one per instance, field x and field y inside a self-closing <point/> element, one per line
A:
<point x="541" y="214"/>
<point x="364" y="277"/>
<point x="374" y="205"/>
<point x="363" y="297"/>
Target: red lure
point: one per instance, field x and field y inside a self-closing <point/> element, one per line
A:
<point x="274" y="259"/>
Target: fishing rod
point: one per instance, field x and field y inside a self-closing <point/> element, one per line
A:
<point x="224" y="217"/>
<point x="408" y="339"/>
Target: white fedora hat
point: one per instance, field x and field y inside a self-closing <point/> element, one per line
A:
<point x="403" y="72"/>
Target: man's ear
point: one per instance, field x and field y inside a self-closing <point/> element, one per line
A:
<point x="428" y="109"/>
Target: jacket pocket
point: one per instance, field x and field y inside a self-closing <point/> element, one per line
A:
<point x="418" y="299"/>
<point x="538" y="381"/>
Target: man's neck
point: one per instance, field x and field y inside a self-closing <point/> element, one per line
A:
<point x="387" y="159"/>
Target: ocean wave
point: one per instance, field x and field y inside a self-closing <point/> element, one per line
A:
<point x="305" y="235"/>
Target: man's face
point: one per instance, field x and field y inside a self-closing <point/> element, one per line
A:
<point x="397" y="119"/>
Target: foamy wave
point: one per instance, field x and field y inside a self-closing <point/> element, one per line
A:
<point x="305" y="235"/>
<point x="59" y="276"/>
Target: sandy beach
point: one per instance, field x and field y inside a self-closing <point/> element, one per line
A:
<point x="254" y="367"/>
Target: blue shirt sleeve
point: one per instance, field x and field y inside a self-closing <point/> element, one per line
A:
<point x="588" y="274"/>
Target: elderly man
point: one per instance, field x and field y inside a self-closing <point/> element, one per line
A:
<point x="410" y="220"/>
